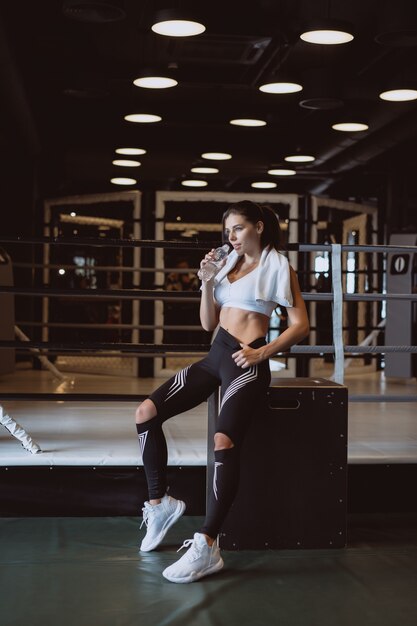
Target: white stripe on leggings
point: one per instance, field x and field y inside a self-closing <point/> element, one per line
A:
<point x="142" y="441"/>
<point x="238" y="383"/>
<point x="216" y="465"/>
<point x="178" y="383"/>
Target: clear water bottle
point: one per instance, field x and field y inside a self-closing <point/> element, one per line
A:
<point x="211" y="268"/>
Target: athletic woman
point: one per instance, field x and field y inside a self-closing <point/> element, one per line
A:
<point x="239" y="301"/>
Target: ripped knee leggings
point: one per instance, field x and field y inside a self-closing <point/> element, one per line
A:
<point x="243" y="393"/>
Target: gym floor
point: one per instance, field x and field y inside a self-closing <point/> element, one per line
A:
<point x="88" y="571"/>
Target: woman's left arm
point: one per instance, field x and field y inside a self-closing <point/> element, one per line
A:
<point x="298" y="328"/>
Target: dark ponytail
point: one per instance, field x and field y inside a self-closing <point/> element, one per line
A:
<point x="254" y="213"/>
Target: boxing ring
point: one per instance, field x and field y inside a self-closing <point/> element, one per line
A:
<point x="59" y="503"/>
<point x="70" y="411"/>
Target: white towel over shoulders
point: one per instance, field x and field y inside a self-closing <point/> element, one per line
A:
<point x="272" y="280"/>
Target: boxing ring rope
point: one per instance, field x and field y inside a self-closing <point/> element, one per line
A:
<point x="195" y="245"/>
<point x="337" y="298"/>
<point x="157" y="294"/>
<point x="143" y="349"/>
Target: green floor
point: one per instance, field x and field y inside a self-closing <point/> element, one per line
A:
<point x="88" y="571"/>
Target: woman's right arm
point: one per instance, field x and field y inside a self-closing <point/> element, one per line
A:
<point x="209" y="309"/>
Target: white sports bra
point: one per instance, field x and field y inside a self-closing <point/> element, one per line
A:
<point x="241" y="294"/>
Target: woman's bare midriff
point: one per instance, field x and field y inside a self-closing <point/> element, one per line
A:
<point x="246" y="326"/>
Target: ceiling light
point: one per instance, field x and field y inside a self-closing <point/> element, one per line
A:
<point x="264" y="185"/>
<point x="126" y="163"/>
<point x="247" y="122"/>
<point x="322" y="103"/>
<point x="123" y="181"/>
<point x="194" y="183"/>
<point x="399" y="95"/>
<point x="322" y="89"/>
<point x="155" y="82"/>
<point x="395" y="24"/>
<point x="350" y="127"/>
<point x="326" y="37"/>
<point x="216" y="156"/>
<point x="143" y="118"/>
<point x="174" y="23"/>
<point x="130" y="151"/>
<point x="280" y="87"/>
<point x="205" y="170"/>
<point x="404" y="37"/>
<point x="281" y="172"/>
<point x="299" y="158"/>
<point x="178" y="28"/>
<point x="327" y="32"/>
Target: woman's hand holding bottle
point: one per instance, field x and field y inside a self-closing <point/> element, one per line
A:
<point x="213" y="262"/>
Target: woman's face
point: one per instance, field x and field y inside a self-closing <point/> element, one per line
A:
<point x="244" y="236"/>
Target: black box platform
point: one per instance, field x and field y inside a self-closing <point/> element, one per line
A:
<point x="293" y="484"/>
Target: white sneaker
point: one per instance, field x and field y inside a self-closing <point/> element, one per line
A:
<point x="200" y="560"/>
<point x="158" y="519"/>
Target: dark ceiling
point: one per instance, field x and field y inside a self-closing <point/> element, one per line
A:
<point x="67" y="84"/>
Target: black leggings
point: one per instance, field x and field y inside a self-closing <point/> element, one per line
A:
<point x="243" y="391"/>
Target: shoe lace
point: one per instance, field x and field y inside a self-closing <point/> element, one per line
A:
<point x="146" y="514"/>
<point x="194" y="552"/>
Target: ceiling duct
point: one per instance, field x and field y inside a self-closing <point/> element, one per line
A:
<point x="379" y="142"/>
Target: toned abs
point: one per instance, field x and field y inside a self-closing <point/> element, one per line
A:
<point x="246" y="326"/>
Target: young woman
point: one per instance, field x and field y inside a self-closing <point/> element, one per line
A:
<point x="254" y="278"/>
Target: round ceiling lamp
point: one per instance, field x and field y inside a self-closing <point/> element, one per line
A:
<point x="399" y="95"/>
<point x="299" y="158"/>
<point x="322" y="89"/>
<point x="126" y="163"/>
<point x="123" y="181"/>
<point x="194" y="183"/>
<point x="327" y="32"/>
<point x="281" y="172"/>
<point x="405" y="37"/>
<point x="246" y="121"/>
<point x="176" y="23"/>
<point x="396" y="24"/>
<point x="130" y="151"/>
<point x="280" y="87"/>
<point x="350" y="127"/>
<point x="142" y="118"/>
<point x="204" y="170"/>
<point x="265" y="184"/>
<point x="321" y="103"/>
<point x="216" y="156"/>
<point x="155" y="82"/>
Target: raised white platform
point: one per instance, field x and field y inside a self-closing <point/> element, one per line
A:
<point x="104" y="433"/>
